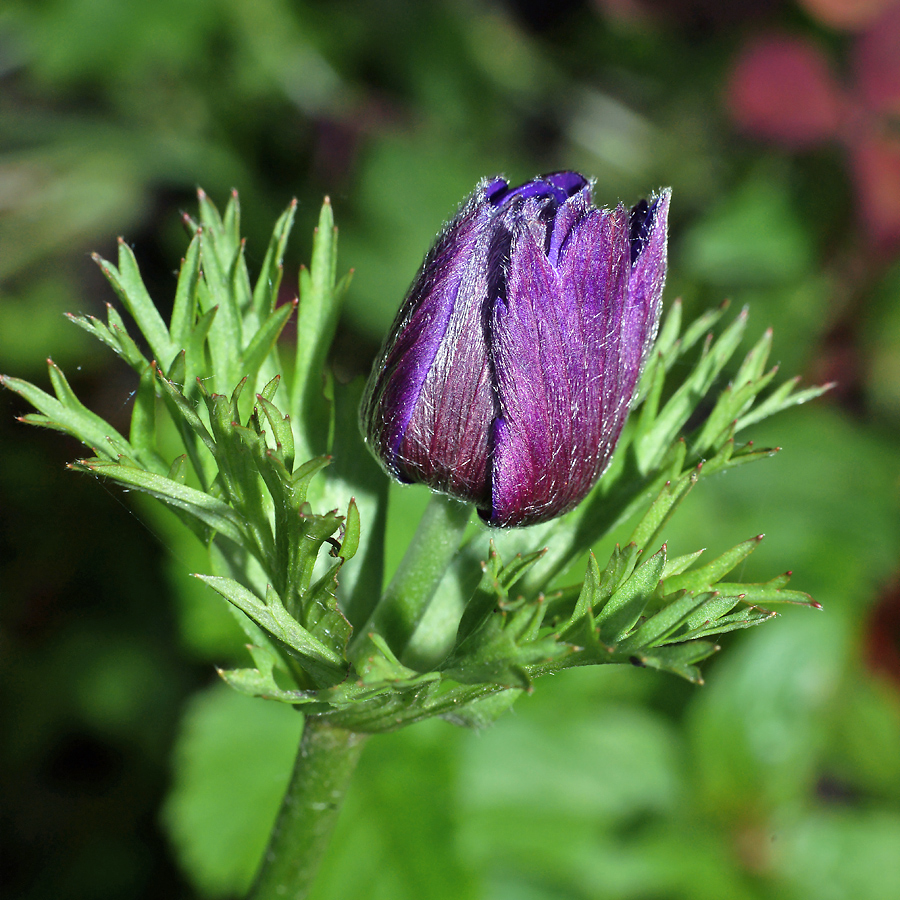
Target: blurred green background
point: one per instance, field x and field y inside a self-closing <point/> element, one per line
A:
<point x="127" y="770"/>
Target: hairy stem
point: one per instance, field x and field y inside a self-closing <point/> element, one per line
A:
<point x="325" y="764"/>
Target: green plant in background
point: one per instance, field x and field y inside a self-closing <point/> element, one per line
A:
<point x="261" y="458"/>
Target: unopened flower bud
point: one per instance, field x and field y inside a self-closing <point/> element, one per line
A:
<point x="510" y="369"/>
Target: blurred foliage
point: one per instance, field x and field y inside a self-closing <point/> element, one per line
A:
<point x="780" y="778"/>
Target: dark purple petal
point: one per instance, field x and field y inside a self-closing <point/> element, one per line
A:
<point x="558" y="186"/>
<point x="445" y="443"/>
<point x="568" y="182"/>
<point x="495" y="189"/>
<point x="648" y="277"/>
<point x="438" y="326"/>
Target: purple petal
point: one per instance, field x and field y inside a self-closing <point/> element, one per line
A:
<point x="555" y="343"/>
<point x="558" y="185"/>
<point x="567" y="217"/>
<point x="568" y="182"/>
<point x="495" y="189"/>
<point x="647" y="279"/>
<point x="412" y="405"/>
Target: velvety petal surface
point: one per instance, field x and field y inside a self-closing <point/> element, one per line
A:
<point x="556" y="344"/>
<point x="428" y="411"/>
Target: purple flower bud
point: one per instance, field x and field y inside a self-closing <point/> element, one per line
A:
<point x="510" y="369"/>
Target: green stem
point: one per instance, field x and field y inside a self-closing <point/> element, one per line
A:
<point x="416" y="581"/>
<point x="325" y="763"/>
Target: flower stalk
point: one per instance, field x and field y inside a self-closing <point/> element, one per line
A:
<point x="326" y="760"/>
<point x="417" y="579"/>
